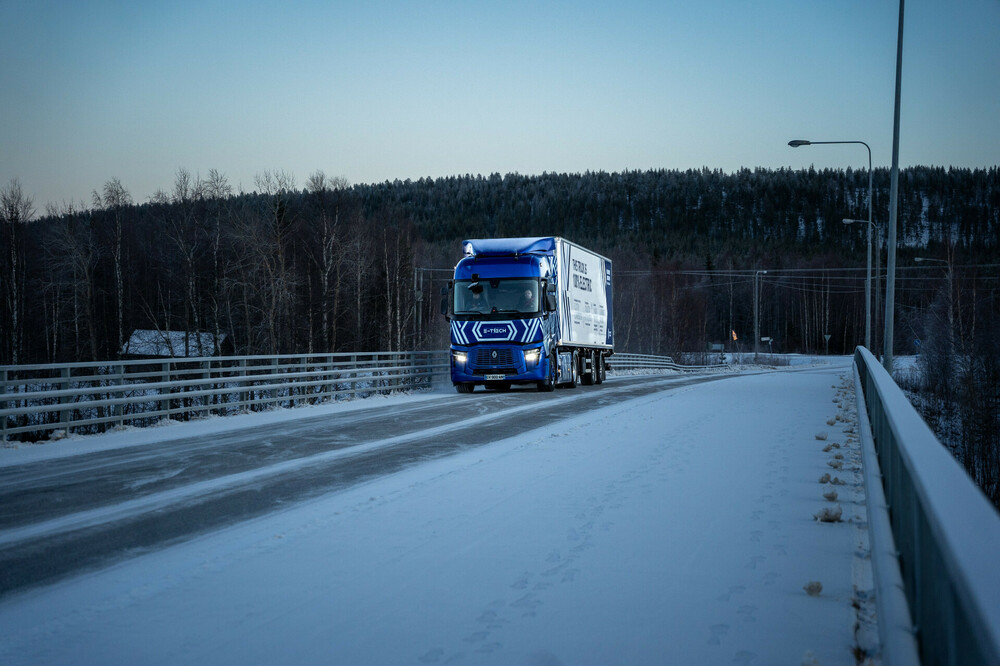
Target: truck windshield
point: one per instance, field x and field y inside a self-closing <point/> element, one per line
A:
<point x="488" y="296"/>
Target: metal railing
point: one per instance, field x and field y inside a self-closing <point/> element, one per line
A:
<point x="629" y="362"/>
<point x="36" y="400"/>
<point x="93" y="397"/>
<point x="946" y="532"/>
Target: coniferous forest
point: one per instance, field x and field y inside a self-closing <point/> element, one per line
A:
<point x="322" y="266"/>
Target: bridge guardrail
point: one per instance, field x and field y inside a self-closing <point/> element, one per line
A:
<point x="622" y="362"/>
<point x="94" y="397"/>
<point x="945" y="530"/>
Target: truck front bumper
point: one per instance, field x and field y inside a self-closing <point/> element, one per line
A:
<point x="479" y="364"/>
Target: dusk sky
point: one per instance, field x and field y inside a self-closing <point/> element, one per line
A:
<point x="376" y="91"/>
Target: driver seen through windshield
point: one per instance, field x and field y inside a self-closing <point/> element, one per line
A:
<point x="494" y="296"/>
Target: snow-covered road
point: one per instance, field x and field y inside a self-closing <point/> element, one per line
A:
<point x="674" y="528"/>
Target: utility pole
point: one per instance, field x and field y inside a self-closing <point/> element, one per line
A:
<point x="756" y="313"/>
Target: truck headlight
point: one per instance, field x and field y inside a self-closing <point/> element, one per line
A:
<point x="460" y="357"/>
<point x="531" y="356"/>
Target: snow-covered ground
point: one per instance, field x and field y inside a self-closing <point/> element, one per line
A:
<point x="676" y="528"/>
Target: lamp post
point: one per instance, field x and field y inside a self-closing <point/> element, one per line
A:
<point x="868" y="275"/>
<point x="890" y="262"/>
<point x="795" y="143"/>
<point x="756" y="312"/>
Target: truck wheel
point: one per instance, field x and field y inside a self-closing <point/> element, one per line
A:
<point x="549" y="383"/>
<point x="602" y="372"/>
<point x="590" y="378"/>
<point x="465" y="388"/>
<point x="575" y="366"/>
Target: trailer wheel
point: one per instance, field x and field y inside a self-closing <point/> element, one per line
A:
<point x="601" y="370"/>
<point x="465" y="388"/>
<point x="575" y="374"/>
<point x="590" y="378"/>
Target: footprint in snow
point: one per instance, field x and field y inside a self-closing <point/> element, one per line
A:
<point x="488" y="648"/>
<point x="716" y="633"/>
<point x="432" y="656"/>
<point x="746" y="613"/>
<point x="733" y="589"/>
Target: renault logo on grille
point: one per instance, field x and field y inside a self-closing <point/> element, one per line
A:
<point x="494" y="354"/>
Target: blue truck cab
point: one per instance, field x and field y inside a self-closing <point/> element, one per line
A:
<point x="529" y="311"/>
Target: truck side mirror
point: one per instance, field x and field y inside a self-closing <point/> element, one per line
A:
<point x="550" y="298"/>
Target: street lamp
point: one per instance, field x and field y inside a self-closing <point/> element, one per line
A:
<point x="868" y="275"/>
<point x="795" y="143"/>
<point x="756" y="312"/>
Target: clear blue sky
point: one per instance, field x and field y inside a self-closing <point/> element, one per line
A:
<point x="375" y="91"/>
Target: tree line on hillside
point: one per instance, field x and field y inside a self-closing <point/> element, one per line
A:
<point x="326" y="267"/>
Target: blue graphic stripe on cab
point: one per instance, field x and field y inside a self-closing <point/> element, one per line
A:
<point x="516" y="330"/>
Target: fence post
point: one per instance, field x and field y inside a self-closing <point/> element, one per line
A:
<point x="206" y="379"/>
<point x="411" y="381"/>
<point x="244" y="393"/>
<point x="64" y="384"/>
<point x="274" y="381"/>
<point x="3" y="404"/>
<point x="165" y="390"/>
<point x="120" y="393"/>
<point x="328" y="388"/>
<point x="303" y="369"/>
<point x="353" y="376"/>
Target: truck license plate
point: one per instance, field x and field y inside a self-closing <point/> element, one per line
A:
<point x="495" y="378"/>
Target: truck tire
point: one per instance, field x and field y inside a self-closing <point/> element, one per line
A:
<point x="549" y="383"/>
<point x="590" y="378"/>
<point x="575" y="374"/>
<point x="602" y="371"/>
<point x="465" y="388"/>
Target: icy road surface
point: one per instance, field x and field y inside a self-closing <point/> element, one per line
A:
<point x="62" y="513"/>
<point x="673" y="527"/>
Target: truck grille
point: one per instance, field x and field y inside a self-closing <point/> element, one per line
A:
<point x="498" y="359"/>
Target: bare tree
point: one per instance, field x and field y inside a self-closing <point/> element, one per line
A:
<point x="217" y="191"/>
<point x="184" y="230"/>
<point x="328" y="254"/>
<point x="358" y="259"/>
<point x="16" y="210"/>
<point x="114" y="199"/>
<point x="273" y="237"/>
<point x="69" y="264"/>
<point x="397" y="258"/>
